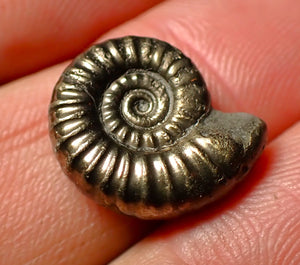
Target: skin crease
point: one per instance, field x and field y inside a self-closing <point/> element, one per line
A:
<point x="248" y="53"/>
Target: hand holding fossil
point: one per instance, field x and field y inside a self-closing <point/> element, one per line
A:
<point x="248" y="54"/>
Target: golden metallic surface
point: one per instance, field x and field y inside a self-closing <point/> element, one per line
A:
<point x="132" y="125"/>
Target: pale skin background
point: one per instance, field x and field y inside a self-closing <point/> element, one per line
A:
<point x="249" y="54"/>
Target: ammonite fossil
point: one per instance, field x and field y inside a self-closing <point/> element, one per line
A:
<point x="132" y="125"/>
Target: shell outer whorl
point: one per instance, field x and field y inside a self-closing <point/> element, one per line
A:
<point x="132" y="125"/>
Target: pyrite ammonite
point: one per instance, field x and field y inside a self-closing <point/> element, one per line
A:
<point x="132" y="125"/>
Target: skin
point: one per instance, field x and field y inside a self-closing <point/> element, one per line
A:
<point x="248" y="53"/>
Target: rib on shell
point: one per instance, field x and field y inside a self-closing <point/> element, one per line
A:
<point x="132" y="125"/>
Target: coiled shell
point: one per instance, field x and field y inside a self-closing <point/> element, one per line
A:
<point x="132" y="125"/>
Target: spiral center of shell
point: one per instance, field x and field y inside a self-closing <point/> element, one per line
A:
<point x="142" y="106"/>
<point x="134" y="107"/>
<point x="139" y="108"/>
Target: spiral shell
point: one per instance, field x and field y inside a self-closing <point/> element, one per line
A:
<point x="132" y="125"/>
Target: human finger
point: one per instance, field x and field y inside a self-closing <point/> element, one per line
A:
<point x="144" y="25"/>
<point x="35" y="34"/>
